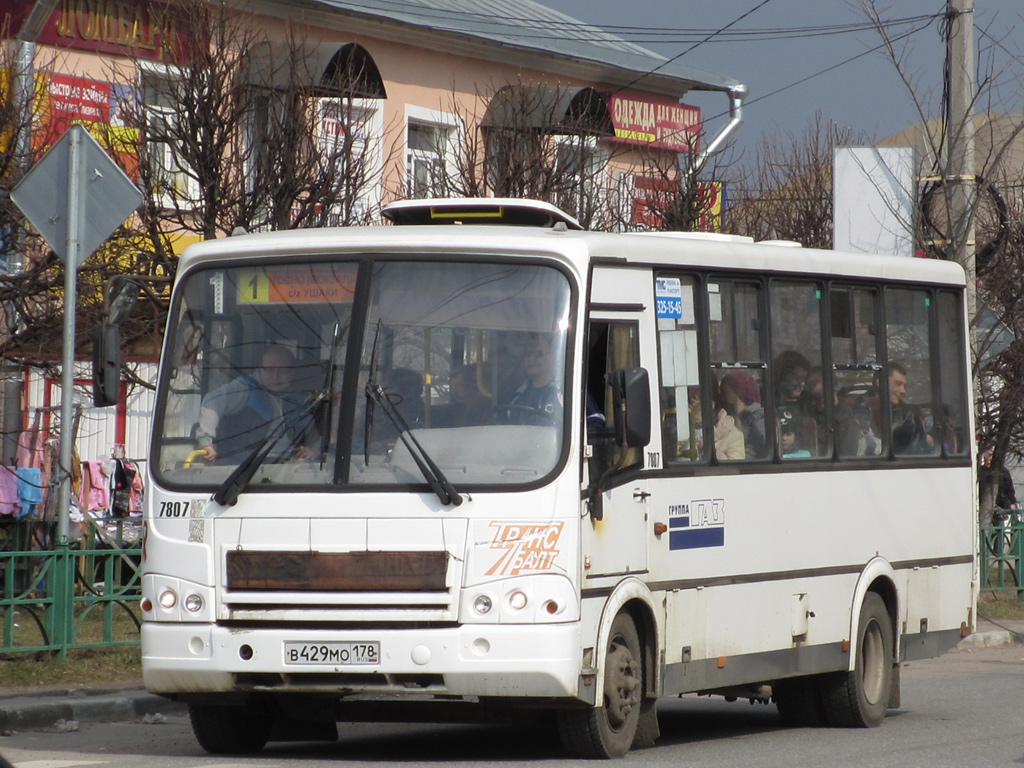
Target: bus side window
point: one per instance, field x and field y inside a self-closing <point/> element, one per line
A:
<point x="907" y="381"/>
<point x="736" y="334"/>
<point x="796" y="353"/>
<point x="855" y="370"/>
<point x="683" y="401"/>
<point x="612" y="345"/>
<point x="951" y="412"/>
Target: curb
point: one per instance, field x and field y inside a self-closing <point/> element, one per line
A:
<point x="992" y="639"/>
<point x="42" y="711"/>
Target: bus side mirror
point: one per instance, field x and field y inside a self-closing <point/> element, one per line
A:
<point x="631" y="396"/>
<point x="106" y="365"/>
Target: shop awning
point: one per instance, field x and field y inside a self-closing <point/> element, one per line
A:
<point x="549" y="109"/>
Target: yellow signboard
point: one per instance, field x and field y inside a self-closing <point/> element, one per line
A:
<point x="301" y="284"/>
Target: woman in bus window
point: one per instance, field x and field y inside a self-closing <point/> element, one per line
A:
<point x="742" y="398"/>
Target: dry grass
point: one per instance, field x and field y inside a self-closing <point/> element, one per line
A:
<point x="86" y="668"/>
<point x="100" y="668"/>
<point x="1000" y="605"/>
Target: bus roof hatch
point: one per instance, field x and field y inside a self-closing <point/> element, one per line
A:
<point x="506" y="211"/>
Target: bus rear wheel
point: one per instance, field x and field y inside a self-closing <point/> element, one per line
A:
<point x="231" y="730"/>
<point x="608" y="731"/>
<point x="859" y="699"/>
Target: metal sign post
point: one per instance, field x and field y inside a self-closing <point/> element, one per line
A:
<point x="99" y="198"/>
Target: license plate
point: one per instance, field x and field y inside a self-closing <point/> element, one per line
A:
<point x="332" y="653"/>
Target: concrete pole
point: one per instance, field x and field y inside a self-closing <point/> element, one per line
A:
<point x="960" y="171"/>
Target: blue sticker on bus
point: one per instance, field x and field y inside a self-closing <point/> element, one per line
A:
<point x="697" y="525"/>
<point x="668" y="297"/>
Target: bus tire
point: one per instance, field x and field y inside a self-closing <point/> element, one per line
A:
<point x="230" y="730"/>
<point x="608" y="731"/>
<point x="798" y="700"/>
<point x="859" y="699"/>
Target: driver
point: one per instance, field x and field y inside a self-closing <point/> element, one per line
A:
<point x="538" y="400"/>
<point x="236" y="417"/>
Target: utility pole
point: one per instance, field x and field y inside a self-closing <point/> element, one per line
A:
<point x="960" y="175"/>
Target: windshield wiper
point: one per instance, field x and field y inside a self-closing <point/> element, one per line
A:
<point x="371" y="379"/>
<point x="328" y="387"/>
<point x="432" y="473"/>
<point x="375" y="394"/>
<point x="228" y="492"/>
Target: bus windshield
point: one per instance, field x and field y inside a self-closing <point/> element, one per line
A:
<point x="339" y="373"/>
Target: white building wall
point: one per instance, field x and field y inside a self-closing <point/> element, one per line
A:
<point x="97" y="428"/>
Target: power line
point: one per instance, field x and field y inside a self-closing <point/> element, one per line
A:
<point x="757" y="7"/>
<point x="619" y="33"/>
<point x="835" y="66"/>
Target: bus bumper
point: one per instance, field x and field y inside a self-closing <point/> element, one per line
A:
<point x="469" y="660"/>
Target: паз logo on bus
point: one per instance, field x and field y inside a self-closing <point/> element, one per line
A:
<point x="527" y="547"/>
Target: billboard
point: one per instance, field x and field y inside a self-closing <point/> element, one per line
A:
<point x="873" y="200"/>
<point x="650" y="122"/>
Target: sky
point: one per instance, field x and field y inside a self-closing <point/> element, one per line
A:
<point x="799" y="57"/>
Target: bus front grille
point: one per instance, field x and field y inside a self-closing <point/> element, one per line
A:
<point x="257" y="570"/>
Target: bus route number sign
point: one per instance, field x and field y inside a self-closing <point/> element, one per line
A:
<point x="332" y="653"/>
<point x="669" y="297"/>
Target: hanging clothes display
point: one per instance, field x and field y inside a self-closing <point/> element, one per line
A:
<point x="30" y="489"/>
<point x="10" y="505"/>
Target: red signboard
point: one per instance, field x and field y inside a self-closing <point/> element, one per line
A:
<point x="652" y="196"/>
<point x="66" y="100"/>
<point x="649" y="122"/>
<point x="148" y="30"/>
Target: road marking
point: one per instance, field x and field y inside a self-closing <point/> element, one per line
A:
<point x="58" y="763"/>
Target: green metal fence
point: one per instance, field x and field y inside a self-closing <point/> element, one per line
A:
<point x="1002" y="552"/>
<point x="55" y="597"/>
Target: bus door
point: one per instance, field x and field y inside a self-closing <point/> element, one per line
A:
<point x="616" y="538"/>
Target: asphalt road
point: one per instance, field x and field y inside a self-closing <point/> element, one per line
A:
<point x="960" y="709"/>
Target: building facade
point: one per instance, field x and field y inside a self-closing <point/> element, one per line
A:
<point x="273" y="115"/>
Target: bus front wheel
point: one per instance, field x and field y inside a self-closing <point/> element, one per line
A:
<point x="230" y="730"/>
<point x="608" y="731"/>
<point x="859" y="699"/>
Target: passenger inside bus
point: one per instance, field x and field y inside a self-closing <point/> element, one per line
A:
<point x="741" y="395"/>
<point x="538" y="400"/>
<point x="911" y="432"/>
<point x="790" y="446"/>
<point x="730" y="444"/>
<point x="791" y="369"/>
<point x="468" y="405"/>
<point x="238" y="416"/>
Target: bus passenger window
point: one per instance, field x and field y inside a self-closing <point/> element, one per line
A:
<point x="855" y="373"/>
<point x="908" y="380"/>
<point x="797" y="351"/>
<point x="683" y="403"/>
<point x="951" y="411"/>
<point x="736" y="333"/>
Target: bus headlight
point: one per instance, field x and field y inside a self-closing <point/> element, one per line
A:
<point x="168" y="599"/>
<point x="193" y="603"/>
<point x="482" y="605"/>
<point x="521" y="600"/>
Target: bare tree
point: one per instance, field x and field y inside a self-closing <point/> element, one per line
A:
<point x="785" y="192"/>
<point x="215" y="144"/>
<point x="996" y="214"/>
<point x="535" y="141"/>
<point x="671" y="192"/>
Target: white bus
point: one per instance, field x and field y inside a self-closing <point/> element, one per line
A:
<point x="431" y="470"/>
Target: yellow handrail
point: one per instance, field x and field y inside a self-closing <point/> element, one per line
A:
<point x="192" y="457"/>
